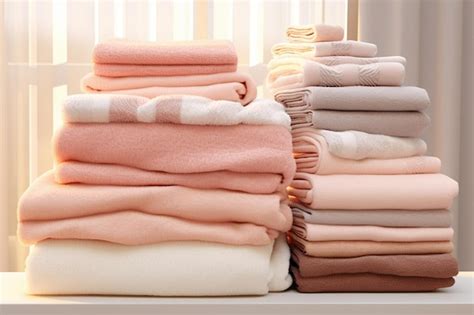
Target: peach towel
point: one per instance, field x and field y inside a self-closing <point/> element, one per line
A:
<point x="314" y="33"/>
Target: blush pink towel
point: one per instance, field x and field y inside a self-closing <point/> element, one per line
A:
<point x="404" y="192"/>
<point x="120" y="58"/>
<point x="180" y="148"/>
<point x="137" y="228"/>
<point x="231" y="86"/>
<point x="47" y="200"/>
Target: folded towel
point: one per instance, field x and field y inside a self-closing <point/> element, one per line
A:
<point x="320" y="232"/>
<point x="380" y="98"/>
<point x="313" y="155"/>
<point x="47" y="200"/>
<point x="395" y="218"/>
<point x="334" y="48"/>
<point x="432" y="266"/>
<point x="314" y="33"/>
<point x="362" y="248"/>
<point x="368" y="282"/>
<point x="180" y="148"/>
<point x="351" y="192"/>
<point x="312" y="73"/>
<point x="110" y="174"/>
<point x="167" y="269"/>
<point x="177" y="109"/>
<point x="120" y="58"/>
<point x="138" y="228"/>
<point x="231" y="86"/>
<point x="398" y="124"/>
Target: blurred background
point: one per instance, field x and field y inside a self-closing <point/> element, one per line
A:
<point x="46" y="45"/>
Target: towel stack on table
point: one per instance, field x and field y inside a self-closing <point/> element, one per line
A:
<point x="173" y="195"/>
<point x="370" y="209"/>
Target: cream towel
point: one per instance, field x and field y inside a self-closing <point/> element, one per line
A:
<point x="314" y="33"/>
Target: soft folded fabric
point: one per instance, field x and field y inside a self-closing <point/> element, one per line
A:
<point x="138" y="228"/>
<point x="312" y="155"/>
<point x="110" y="174"/>
<point x="231" y="86"/>
<point x="433" y="266"/>
<point x="322" y="232"/>
<point x="352" y="98"/>
<point x="179" y="148"/>
<point x="71" y="267"/>
<point x="395" y="218"/>
<point x="314" y="33"/>
<point x="47" y="200"/>
<point x="312" y="73"/>
<point x="398" y="124"/>
<point x="119" y="58"/>
<point x="368" y="282"/>
<point x="333" y="48"/>
<point x="177" y="109"/>
<point x="351" y="192"/>
<point x="362" y="248"/>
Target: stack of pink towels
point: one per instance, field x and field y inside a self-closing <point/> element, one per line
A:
<point x="370" y="209"/>
<point x="178" y="194"/>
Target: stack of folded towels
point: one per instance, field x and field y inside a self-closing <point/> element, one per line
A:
<point x="370" y="209"/>
<point x="177" y="194"/>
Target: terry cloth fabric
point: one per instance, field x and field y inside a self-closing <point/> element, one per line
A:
<point x="121" y="58"/>
<point x="352" y="192"/>
<point x="352" y="98"/>
<point x="312" y="73"/>
<point x="167" y="269"/>
<point x="368" y="282"/>
<point x="341" y="249"/>
<point x="312" y="155"/>
<point x="47" y="200"/>
<point x="334" y="48"/>
<point x="176" y="109"/>
<point x="314" y="33"/>
<point x="231" y="86"/>
<point x="393" y="218"/>
<point x="432" y="266"/>
<point x="320" y="232"/>
<point x="109" y="174"/>
<point x="398" y="124"/>
<point x="171" y="148"/>
<point x="138" y="228"/>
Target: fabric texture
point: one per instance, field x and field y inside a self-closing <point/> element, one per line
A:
<point x="332" y="48"/>
<point x="314" y="33"/>
<point x="92" y="267"/>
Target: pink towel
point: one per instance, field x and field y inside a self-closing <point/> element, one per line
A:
<point x="404" y="192"/>
<point x="231" y="86"/>
<point x="180" y="148"/>
<point x="314" y="33"/>
<point x="120" y="58"/>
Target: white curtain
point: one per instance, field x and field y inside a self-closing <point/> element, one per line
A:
<point x="436" y="37"/>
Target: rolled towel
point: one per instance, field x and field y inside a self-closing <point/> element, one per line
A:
<point x="314" y="33"/>
<point x="231" y="86"/>
<point x="352" y="192"/>
<point x="167" y="269"/>
<point x="121" y="58"/>
<point x="334" y="48"/>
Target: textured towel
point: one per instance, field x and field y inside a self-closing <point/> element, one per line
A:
<point x="362" y="248"/>
<point x="312" y="155"/>
<point x="231" y="86"/>
<point x="312" y="73"/>
<point x="405" y="192"/>
<point x="177" y="109"/>
<point x="380" y="98"/>
<point x="320" y="232"/>
<point x="433" y="266"/>
<point x="395" y="218"/>
<point x="334" y="48"/>
<point x="314" y="33"/>
<point x="180" y="148"/>
<point x="110" y="174"/>
<point x="46" y="200"/>
<point x="368" y="282"/>
<point x="168" y="269"/>
<point x="120" y="58"/>
<point x="398" y="124"/>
